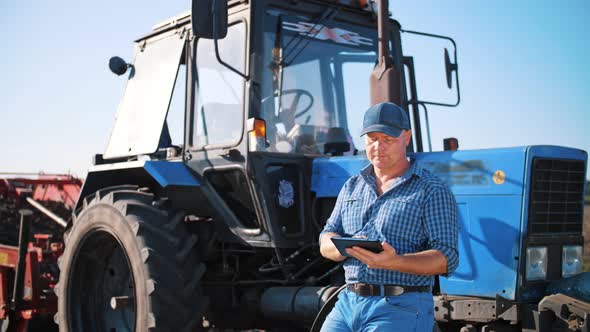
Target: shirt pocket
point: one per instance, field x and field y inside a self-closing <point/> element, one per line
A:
<point x="352" y="216"/>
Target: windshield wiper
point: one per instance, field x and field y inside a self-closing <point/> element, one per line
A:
<point x="277" y="62"/>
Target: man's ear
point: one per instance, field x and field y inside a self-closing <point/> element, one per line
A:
<point x="407" y="135"/>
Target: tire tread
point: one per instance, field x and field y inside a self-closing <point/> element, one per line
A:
<point x="167" y="252"/>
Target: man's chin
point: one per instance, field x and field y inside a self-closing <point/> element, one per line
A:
<point x="381" y="164"/>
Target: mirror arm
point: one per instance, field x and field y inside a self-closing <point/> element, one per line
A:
<point x="215" y="18"/>
<point x="456" y="69"/>
<point x="246" y="77"/>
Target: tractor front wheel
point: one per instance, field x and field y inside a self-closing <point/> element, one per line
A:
<point x="129" y="265"/>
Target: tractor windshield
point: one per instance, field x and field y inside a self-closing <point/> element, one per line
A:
<point x="314" y="81"/>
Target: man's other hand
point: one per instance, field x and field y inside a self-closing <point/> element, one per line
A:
<point x="328" y="249"/>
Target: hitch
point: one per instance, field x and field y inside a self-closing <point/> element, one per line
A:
<point x="573" y="312"/>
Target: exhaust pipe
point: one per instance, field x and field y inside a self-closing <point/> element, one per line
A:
<point x="300" y="304"/>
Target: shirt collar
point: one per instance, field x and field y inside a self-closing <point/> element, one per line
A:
<point x="368" y="174"/>
<point x="415" y="168"/>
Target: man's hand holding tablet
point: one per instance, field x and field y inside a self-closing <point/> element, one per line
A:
<point x="342" y="243"/>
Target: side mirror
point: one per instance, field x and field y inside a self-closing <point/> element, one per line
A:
<point x="209" y="18"/>
<point x="449" y="69"/>
<point x="119" y="67"/>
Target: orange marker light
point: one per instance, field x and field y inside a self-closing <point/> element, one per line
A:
<point x="256" y="134"/>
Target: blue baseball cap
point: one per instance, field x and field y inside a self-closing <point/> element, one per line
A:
<point x="387" y="118"/>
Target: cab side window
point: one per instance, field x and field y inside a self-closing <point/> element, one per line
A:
<point x="218" y="114"/>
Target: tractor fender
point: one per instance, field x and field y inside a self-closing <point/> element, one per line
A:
<point x="142" y="173"/>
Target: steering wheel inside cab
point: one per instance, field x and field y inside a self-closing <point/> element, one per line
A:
<point x="295" y="103"/>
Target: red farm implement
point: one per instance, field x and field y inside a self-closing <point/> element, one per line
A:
<point x="33" y="213"/>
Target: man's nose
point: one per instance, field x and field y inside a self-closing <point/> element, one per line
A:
<point x="379" y="145"/>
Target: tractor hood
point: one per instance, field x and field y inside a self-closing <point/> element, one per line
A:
<point x="142" y="112"/>
<point x="466" y="172"/>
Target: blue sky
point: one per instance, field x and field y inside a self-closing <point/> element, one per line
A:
<point x="524" y="74"/>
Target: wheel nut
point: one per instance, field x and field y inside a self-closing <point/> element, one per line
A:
<point x="118" y="302"/>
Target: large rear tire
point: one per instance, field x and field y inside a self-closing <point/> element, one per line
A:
<point x="124" y="251"/>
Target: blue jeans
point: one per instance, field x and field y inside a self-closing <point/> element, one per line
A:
<point x="407" y="312"/>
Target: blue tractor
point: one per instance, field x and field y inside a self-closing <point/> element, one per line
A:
<point x="238" y="126"/>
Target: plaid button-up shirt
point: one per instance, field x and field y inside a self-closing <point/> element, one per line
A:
<point x="418" y="212"/>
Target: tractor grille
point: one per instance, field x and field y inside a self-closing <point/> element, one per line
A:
<point x="557" y="196"/>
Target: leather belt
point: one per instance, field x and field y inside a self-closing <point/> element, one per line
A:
<point x="362" y="289"/>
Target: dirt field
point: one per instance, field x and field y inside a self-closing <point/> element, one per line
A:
<point x="587" y="237"/>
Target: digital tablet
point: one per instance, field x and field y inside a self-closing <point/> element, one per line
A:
<point x="342" y="243"/>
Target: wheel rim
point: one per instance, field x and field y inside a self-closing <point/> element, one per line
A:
<point x="101" y="272"/>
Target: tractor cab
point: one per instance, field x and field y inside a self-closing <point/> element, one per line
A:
<point x="297" y="69"/>
<point x="247" y="103"/>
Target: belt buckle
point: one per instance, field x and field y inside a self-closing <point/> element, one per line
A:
<point x="360" y="289"/>
<point x="357" y="287"/>
<point x="397" y="290"/>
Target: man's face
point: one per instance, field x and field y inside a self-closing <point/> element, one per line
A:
<point x="385" y="152"/>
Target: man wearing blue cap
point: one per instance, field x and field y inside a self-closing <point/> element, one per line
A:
<point x="411" y="212"/>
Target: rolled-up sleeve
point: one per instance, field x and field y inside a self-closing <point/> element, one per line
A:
<point x="441" y="221"/>
<point x="334" y="222"/>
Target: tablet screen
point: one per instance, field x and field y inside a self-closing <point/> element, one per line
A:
<point x="342" y="243"/>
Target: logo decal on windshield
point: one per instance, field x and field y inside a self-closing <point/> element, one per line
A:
<point x="321" y="32"/>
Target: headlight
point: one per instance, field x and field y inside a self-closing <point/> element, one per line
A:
<point x="571" y="260"/>
<point x="536" y="263"/>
